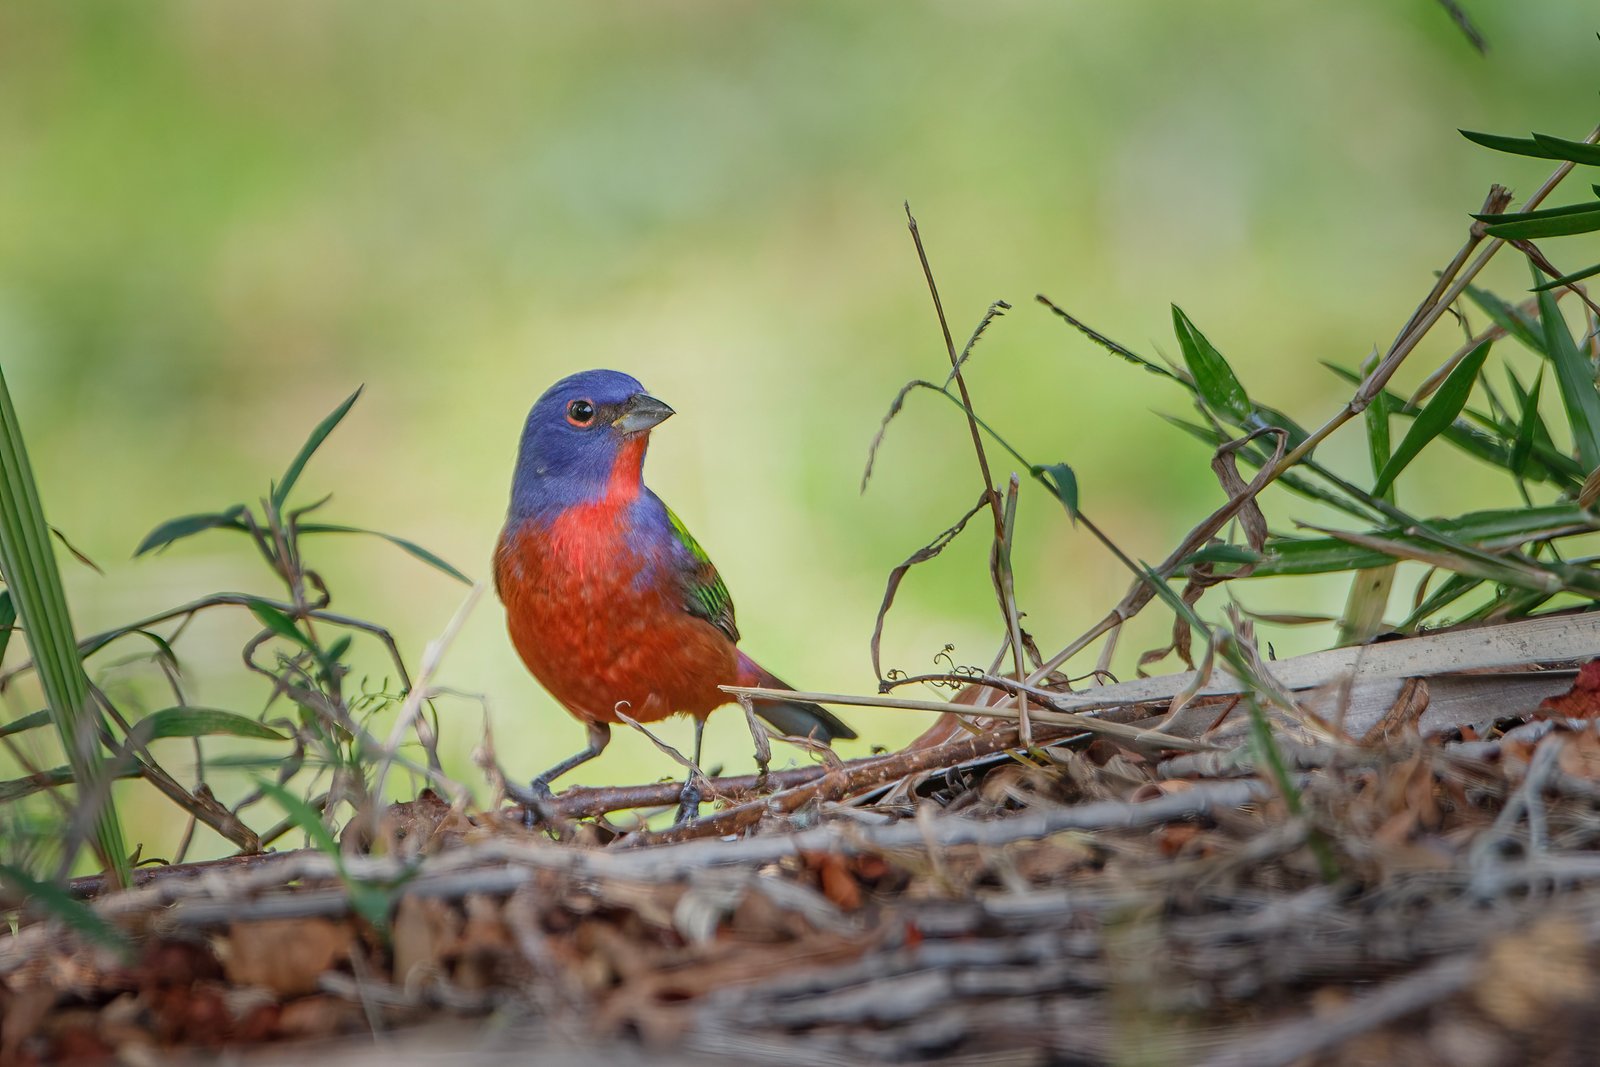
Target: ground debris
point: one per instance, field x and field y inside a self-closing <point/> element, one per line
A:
<point x="1088" y="904"/>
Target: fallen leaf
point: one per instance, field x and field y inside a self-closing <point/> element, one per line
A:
<point x="285" y="955"/>
<point x="1582" y="701"/>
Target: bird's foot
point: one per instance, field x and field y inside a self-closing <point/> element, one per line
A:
<point x="538" y="802"/>
<point x="689" y="799"/>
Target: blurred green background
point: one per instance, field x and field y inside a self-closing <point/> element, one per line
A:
<point x="217" y="218"/>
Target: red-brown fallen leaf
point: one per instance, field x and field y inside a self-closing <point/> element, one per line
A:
<point x="1582" y="701"/>
<point x="1174" y="838"/>
<point x="175" y="963"/>
<point x="194" y="1015"/>
<point x="285" y="955"/>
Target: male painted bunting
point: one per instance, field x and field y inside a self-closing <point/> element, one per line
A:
<point x="610" y="602"/>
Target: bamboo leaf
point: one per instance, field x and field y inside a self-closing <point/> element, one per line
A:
<point x="1215" y="380"/>
<point x="1527" y="427"/>
<point x="8" y="621"/>
<point x="280" y="492"/>
<point x="1237" y="555"/>
<point x="1568" y="279"/>
<point x="1377" y="419"/>
<point x="410" y="547"/>
<point x="187" y="526"/>
<point x="1576" y="151"/>
<point x="1509" y="318"/>
<point x="188" y="721"/>
<point x="1284" y="555"/>
<point x="1519" y="146"/>
<point x="1575" y="377"/>
<point x="1557" y="222"/>
<point x="31" y="721"/>
<point x="1436" y="416"/>
<point x="1063" y="483"/>
<point x="278" y="622"/>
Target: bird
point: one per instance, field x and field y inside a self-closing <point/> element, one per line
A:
<point x="610" y="602"/>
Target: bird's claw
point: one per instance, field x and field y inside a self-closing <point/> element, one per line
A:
<point x="689" y="798"/>
<point x="537" y="802"/>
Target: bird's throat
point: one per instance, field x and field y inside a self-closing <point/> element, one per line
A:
<point x="627" y="471"/>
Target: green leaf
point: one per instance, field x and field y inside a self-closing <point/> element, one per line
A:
<point x="1518" y="146"/>
<point x="278" y="622"/>
<point x="1508" y="318"/>
<point x="1377" y="419"/>
<point x="1214" y="379"/>
<point x="1552" y="222"/>
<point x="1061" y="481"/>
<point x="1321" y="555"/>
<point x="74" y="914"/>
<point x="304" y="816"/>
<point x="187" y="721"/>
<point x="1528" y="425"/>
<point x="1436" y="416"/>
<point x="1568" y="279"/>
<point x="1453" y="589"/>
<point x="410" y="547"/>
<point x="1229" y="554"/>
<point x="28" y="565"/>
<point x="280" y="492"/>
<point x="31" y="721"/>
<point x="1258" y="457"/>
<point x="8" y="621"/>
<point x="1575" y="377"/>
<point x="1575" y="151"/>
<point x="187" y="526"/>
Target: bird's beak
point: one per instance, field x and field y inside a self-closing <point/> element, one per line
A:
<point x="640" y="413"/>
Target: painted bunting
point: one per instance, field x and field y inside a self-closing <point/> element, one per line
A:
<point x="610" y="601"/>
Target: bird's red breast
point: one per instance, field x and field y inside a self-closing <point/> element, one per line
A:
<point x="594" y="625"/>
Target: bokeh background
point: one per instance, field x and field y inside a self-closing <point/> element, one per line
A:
<point x="218" y="218"/>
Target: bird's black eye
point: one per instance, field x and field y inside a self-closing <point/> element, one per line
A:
<point x="580" y="413"/>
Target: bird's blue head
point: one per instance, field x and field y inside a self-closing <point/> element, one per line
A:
<point x="584" y="438"/>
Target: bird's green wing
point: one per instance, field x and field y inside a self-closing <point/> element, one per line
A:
<point x="707" y="596"/>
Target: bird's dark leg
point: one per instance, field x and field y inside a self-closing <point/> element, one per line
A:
<point x="689" y="799"/>
<point x="534" y="798"/>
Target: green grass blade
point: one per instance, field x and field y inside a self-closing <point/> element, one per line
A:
<point x="410" y="547"/>
<point x="1575" y="378"/>
<point x="1215" y="380"/>
<point x="1436" y="416"/>
<point x="74" y="914"/>
<point x="278" y="623"/>
<point x="280" y="492"/>
<point x="302" y="815"/>
<point x="28" y="564"/>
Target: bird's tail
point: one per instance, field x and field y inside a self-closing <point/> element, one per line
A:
<point x="794" y="717"/>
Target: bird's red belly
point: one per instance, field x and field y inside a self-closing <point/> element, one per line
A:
<point x="601" y="641"/>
